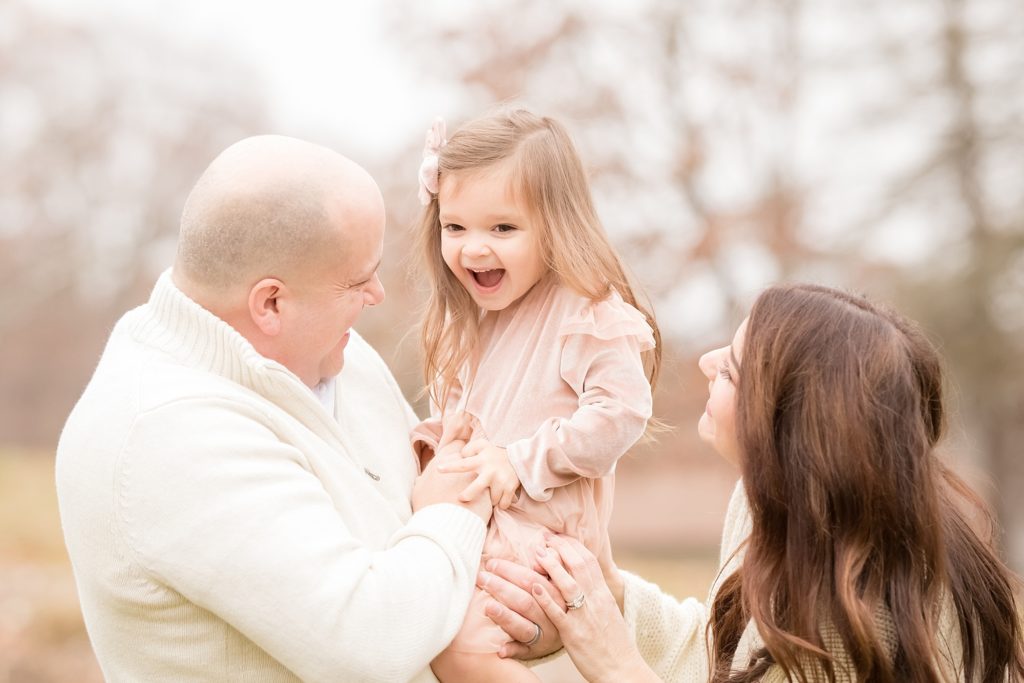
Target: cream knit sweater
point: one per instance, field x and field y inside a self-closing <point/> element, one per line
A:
<point x="671" y="634"/>
<point x="222" y="526"/>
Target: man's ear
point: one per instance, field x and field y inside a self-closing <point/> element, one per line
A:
<point x="264" y="305"/>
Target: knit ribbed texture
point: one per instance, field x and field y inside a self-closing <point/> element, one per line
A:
<point x="223" y="526"/>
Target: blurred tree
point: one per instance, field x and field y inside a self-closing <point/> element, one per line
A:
<point x="103" y="129"/>
<point x="965" y="191"/>
<point x="663" y="110"/>
<point x="873" y="145"/>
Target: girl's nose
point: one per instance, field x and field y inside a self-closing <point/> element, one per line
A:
<point x="477" y="247"/>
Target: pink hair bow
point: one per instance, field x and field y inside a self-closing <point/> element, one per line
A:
<point x="428" y="169"/>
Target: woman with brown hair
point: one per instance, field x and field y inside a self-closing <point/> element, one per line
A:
<point x="851" y="552"/>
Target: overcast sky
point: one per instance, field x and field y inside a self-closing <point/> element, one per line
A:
<point x="328" y="64"/>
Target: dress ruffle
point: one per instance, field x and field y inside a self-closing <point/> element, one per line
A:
<point x="610" y="318"/>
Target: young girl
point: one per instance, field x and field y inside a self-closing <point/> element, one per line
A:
<point x="850" y="553"/>
<point x="534" y="348"/>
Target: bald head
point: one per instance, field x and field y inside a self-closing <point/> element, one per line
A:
<point x="269" y="206"/>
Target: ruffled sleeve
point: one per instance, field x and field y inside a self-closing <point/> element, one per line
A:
<point x="601" y="361"/>
<point x="610" y="319"/>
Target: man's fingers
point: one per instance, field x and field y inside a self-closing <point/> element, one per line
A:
<point x="515" y="650"/>
<point x="507" y="593"/>
<point x="462" y="465"/>
<point x="479" y="485"/>
<point x="516" y="626"/>
<point x="513" y="573"/>
<point x="516" y="580"/>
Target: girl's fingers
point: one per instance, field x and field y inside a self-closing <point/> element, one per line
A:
<point x="474" y="447"/>
<point x="506" y="500"/>
<point x="495" y="496"/>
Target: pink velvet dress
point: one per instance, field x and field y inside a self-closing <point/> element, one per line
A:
<point x="561" y="385"/>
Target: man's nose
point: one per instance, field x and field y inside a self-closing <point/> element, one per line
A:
<point x="374" y="291"/>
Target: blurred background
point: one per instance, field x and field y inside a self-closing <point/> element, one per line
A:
<point x="875" y="146"/>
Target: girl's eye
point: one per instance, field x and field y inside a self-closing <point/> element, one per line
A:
<point x="504" y="227"/>
<point x="452" y="227"/>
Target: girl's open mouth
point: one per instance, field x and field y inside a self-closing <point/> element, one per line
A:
<point x="488" y="279"/>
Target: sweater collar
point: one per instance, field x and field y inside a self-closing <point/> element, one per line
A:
<point x="178" y="326"/>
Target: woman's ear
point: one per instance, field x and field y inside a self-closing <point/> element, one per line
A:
<point x="264" y="305"/>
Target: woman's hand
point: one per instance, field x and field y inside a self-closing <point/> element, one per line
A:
<point x="515" y="610"/>
<point x="587" y="615"/>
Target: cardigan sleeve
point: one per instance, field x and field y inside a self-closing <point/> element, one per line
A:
<point x="601" y="361"/>
<point x="236" y="521"/>
<point x="669" y="634"/>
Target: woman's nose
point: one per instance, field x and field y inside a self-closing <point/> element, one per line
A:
<point x="706" y="363"/>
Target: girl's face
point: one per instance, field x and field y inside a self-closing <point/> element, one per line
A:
<point x="717" y="425"/>
<point x="489" y="239"/>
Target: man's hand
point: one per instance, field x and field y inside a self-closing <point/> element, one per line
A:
<point x="516" y="611"/>
<point x="436" y="486"/>
<point x="493" y="472"/>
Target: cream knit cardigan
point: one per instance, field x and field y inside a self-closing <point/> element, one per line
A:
<point x="671" y="634"/>
<point x="222" y="526"/>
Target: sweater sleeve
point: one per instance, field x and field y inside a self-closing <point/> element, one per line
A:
<point x="601" y="361"/>
<point x="669" y="634"/>
<point x="234" y="520"/>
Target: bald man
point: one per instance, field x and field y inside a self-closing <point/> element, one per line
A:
<point x="234" y="508"/>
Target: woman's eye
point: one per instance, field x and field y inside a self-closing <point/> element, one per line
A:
<point x="723" y="371"/>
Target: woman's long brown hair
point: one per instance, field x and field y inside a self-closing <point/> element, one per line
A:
<point x="839" y="411"/>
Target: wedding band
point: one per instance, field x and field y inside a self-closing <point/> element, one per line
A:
<point x="536" y="636"/>
<point x="576" y="602"/>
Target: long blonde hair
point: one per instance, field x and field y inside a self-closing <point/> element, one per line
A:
<point x="550" y="180"/>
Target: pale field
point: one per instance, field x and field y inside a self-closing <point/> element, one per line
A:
<point x="42" y="637"/>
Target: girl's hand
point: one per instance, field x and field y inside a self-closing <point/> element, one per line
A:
<point x="455" y="427"/>
<point x="587" y="615"/>
<point x="493" y="472"/>
<point x="516" y="611"/>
